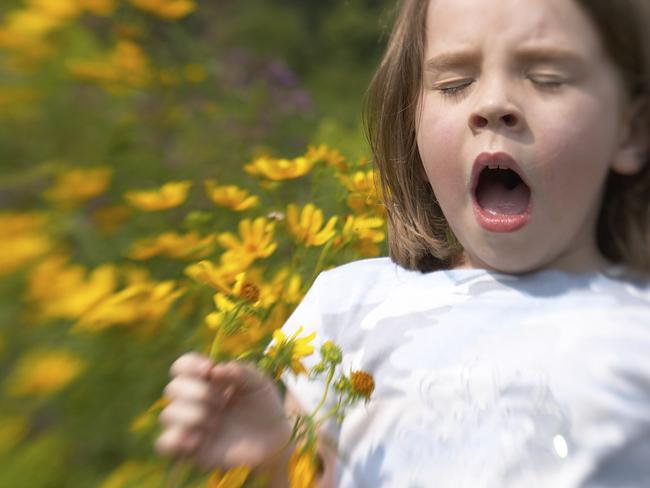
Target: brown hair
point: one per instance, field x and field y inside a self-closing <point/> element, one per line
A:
<point x="419" y="236"/>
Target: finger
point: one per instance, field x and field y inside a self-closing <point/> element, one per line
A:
<point x="178" y="441"/>
<point x="239" y="375"/>
<point x="189" y="388"/>
<point x="191" y="364"/>
<point x="184" y="414"/>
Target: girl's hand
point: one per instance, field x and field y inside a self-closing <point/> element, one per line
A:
<point x="223" y="415"/>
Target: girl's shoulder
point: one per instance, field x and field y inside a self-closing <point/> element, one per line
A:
<point x="358" y="280"/>
<point x="372" y="273"/>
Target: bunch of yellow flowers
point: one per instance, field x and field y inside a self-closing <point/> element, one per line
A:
<point x="242" y="262"/>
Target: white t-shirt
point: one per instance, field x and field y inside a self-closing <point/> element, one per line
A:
<point x="486" y="380"/>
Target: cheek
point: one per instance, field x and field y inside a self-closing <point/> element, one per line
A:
<point x="576" y="148"/>
<point x="439" y="143"/>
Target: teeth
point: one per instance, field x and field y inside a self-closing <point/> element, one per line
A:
<point x="493" y="166"/>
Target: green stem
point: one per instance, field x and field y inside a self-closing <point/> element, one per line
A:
<point x="330" y="375"/>
<point x="321" y="260"/>
<point x="214" y="349"/>
<point x="216" y="342"/>
<point x="334" y="410"/>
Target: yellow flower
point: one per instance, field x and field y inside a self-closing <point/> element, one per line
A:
<point x="279" y="169"/>
<point x="61" y="10"/>
<point x="247" y="285"/>
<point x="169" y="195"/>
<point x="363" y="192"/>
<point x="233" y="478"/>
<point x="172" y="245"/>
<point x="43" y="372"/>
<point x="241" y="335"/>
<point x="224" y="306"/>
<point x="207" y="273"/>
<point x="60" y="290"/>
<point x="303" y="468"/>
<point x="98" y="7"/>
<point x="288" y="352"/>
<point x="308" y="227"/>
<point x="166" y="9"/>
<point x="256" y="240"/>
<point x="325" y="154"/>
<point x="21" y="249"/>
<point x="287" y="287"/>
<point x="140" y="303"/>
<point x="20" y="222"/>
<point x="364" y="232"/>
<point x="75" y="186"/>
<point x="22" y="239"/>
<point x="230" y="196"/>
<point x="125" y="66"/>
<point x="24" y="31"/>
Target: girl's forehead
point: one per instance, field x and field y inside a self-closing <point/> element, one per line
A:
<point x="455" y="23"/>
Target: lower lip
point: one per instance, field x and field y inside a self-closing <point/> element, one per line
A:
<point x="500" y="222"/>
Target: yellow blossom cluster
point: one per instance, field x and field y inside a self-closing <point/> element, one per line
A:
<point x="60" y="290"/>
<point x="230" y="196"/>
<point x="173" y="245"/>
<point x="306" y="225"/>
<point x="23" y="239"/>
<point x="75" y="186"/>
<point x="144" y="303"/>
<point x="166" y="9"/>
<point x="279" y="169"/>
<point x="363" y="193"/>
<point x="26" y="30"/>
<point x="252" y="257"/>
<point x="255" y="241"/>
<point x="327" y="155"/>
<point x="169" y="195"/>
<point x="125" y="66"/>
<point x="43" y="372"/>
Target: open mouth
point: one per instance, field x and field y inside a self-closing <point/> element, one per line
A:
<point x="502" y="192"/>
<point x="502" y="198"/>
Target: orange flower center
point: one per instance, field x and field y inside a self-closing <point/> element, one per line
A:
<point x="250" y="292"/>
<point x="362" y="383"/>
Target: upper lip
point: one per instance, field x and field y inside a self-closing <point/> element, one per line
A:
<point x="500" y="159"/>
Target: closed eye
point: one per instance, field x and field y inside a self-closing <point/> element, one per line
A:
<point x="455" y="88"/>
<point x="547" y="82"/>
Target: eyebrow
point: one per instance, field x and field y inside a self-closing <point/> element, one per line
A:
<point x="450" y="60"/>
<point x="457" y="59"/>
<point x="546" y="54"/>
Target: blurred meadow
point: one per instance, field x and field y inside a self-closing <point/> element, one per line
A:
<point x="159" y="161"/>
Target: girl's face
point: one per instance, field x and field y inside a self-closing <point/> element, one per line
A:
<point x="521" y="118"/>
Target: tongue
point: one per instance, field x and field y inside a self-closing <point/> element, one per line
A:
<point x="494" y="197"/>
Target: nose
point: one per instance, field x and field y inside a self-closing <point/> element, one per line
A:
<point x="495" y="110"/>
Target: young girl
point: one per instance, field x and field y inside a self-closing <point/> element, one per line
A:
<point x="508" y="334"/>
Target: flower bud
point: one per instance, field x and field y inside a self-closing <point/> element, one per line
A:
<point x="331" y="353"/>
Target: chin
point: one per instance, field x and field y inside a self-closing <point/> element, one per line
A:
<point x="507" y="262"/>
